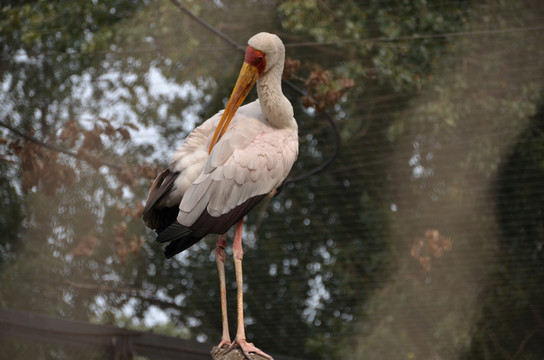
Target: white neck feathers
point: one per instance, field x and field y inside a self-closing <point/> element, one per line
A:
<point x="275" y="106"/>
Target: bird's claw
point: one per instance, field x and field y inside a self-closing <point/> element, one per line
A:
<point x="223" y="343"/>
<point x="248" y="348"/>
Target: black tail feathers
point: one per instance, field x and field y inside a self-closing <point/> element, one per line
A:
<point x="179" y="238"/>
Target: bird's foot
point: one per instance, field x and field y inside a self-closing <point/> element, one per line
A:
<point x="224" y="343"/>
<point x="248" y="348"/>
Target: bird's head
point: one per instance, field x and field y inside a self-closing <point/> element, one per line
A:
<point x="267" y="45"/>
<point x="264" y="52"/>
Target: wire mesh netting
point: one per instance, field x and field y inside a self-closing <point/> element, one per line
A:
<point x="411" y="226"/>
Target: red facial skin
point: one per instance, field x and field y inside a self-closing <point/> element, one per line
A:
<point x="256" y="58"/>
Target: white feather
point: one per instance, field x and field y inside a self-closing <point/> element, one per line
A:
<point x="252" y="158"/>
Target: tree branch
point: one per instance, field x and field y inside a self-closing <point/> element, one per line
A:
<point x="135" y="292"/>
<point x="55" y="147"/>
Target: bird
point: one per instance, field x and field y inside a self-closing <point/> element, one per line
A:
<point x="225" y="167"/>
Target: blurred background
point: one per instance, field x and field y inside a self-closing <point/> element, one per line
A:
<point x="422" y="239"/>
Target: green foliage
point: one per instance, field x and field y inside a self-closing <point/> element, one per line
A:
<point x="516" y="282"/>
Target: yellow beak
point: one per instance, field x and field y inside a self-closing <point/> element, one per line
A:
<point x="246" y="80"/>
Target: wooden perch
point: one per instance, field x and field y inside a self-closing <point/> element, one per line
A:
<point x="234" y="354"/>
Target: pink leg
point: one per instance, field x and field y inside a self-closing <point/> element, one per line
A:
<point x="220" y="260"/>
<point x="240" y="340"/>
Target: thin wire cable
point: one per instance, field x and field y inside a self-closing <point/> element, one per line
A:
<point x="208" y="26"/>
<point x="418" y="37"/>
<point x="301" y="92"/>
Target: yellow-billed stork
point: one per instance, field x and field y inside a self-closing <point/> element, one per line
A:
<point x="225" y="167"/>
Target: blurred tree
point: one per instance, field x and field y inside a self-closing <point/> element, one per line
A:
<point x="11" y="217"/>
<point x="446" y="149"/>
<point x="512" y="302"/>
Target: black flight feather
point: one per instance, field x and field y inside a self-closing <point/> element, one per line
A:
<point x="181" y="237"/>
<point x="160" y="217"/>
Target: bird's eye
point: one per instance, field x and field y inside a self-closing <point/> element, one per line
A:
<point x="256" y="58"/>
